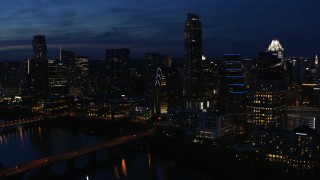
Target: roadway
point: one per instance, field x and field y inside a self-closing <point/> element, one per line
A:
<point x="34" y="164"/>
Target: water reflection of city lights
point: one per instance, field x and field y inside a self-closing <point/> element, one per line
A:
<point x="149" y="160"/>
<point x="21" y="135"/>
<point x="124" y="168"/>
<point x="40" y="133"/>
<point x="25" y="133"/>
<point x="116" y="171"/>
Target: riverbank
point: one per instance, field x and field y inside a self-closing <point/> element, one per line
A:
<point x="15" y="113"/>
<point x="221" y="161"/>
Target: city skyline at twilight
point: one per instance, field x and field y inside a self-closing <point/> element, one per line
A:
<point x="88" y="28"/>
<point x="229" y="115"/>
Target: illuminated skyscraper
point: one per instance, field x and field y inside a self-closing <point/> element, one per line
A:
<point x="193" y="56"/>
<point x="161" y="97"/>
<point x="151" y="65"/>
<point x="269" y="94"/>
<point x="39" y="70"/>
<point x="275" y="46"/>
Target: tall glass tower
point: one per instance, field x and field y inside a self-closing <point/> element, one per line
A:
<point x="118" y="71"/>
<point x="193" y="56"/>
<point x="161" y="97"/>
<point x="232" y="93"/>
<point x="39" y="71"/>
<point x="269" y="95"/>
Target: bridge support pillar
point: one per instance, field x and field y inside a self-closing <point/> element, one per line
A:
<point x="92" y="158"/>
<point x="70" y="164"/>
<point x="111" y="154"/>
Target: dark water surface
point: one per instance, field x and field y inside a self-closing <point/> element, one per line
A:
<point x="25" y="144"/>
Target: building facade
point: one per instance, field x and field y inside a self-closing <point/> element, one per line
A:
<point x="39" y="66"/>
<point x="193" y="56"/>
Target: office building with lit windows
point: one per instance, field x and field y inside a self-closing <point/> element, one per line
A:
<point x="269" y="105"/>
<point x="57" y="77"/>
<point x="82" y="72"/>
<point x="304" y="148"/>
<point x="269" y="94"/>
<point x="273" y="144"/>
<point x="201" y="123"/>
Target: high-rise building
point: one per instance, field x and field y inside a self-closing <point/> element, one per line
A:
<point x="82" y="68"/>
<point x="118" y="70"/>
<point x="273" y="144"/>
<point x="57" y="76"/>
<point x="69" y="60"/>
<point x="201" y="123"/>
<point x="304" y="147"/>
<point x="98" y="78"/>
<point x="166" y="61"/>
<point x="297" y="70"/>
<point x="161" y="96"/>
<point x="233" y="89"/>
<point x="118" y="62"/>
<point x="269" y="94"/>
<point x="275" y="46"/>
<point x="211" y="79"/>
<point x="39" y="70"/>
<point x="10" y="83"/>
<point x="151" y="65"/>
<point x="193" y="56"/>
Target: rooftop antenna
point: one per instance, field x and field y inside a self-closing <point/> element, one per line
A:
<point x="60" y="54"/>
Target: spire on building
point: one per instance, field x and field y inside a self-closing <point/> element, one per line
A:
<point x="275" y="46"/>
<point x="159" y="78"/>
<point x="316" y="60"/>
<point x="60" y="54"/>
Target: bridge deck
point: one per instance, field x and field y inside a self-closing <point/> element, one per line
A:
<point x="21" y="121"/>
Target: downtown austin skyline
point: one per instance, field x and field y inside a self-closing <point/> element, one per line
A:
<point x="88" y="28"/>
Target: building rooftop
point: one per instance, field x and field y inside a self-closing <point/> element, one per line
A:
<point x="275" y="46"/>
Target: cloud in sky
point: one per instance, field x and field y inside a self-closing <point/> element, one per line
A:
<point x="90" y="27"/>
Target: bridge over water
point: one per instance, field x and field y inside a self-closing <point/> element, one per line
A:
<point x="72" y="155"/>
<point x="16" y="122"/>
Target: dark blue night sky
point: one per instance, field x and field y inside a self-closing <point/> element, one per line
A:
<point x="88" y="27"/>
